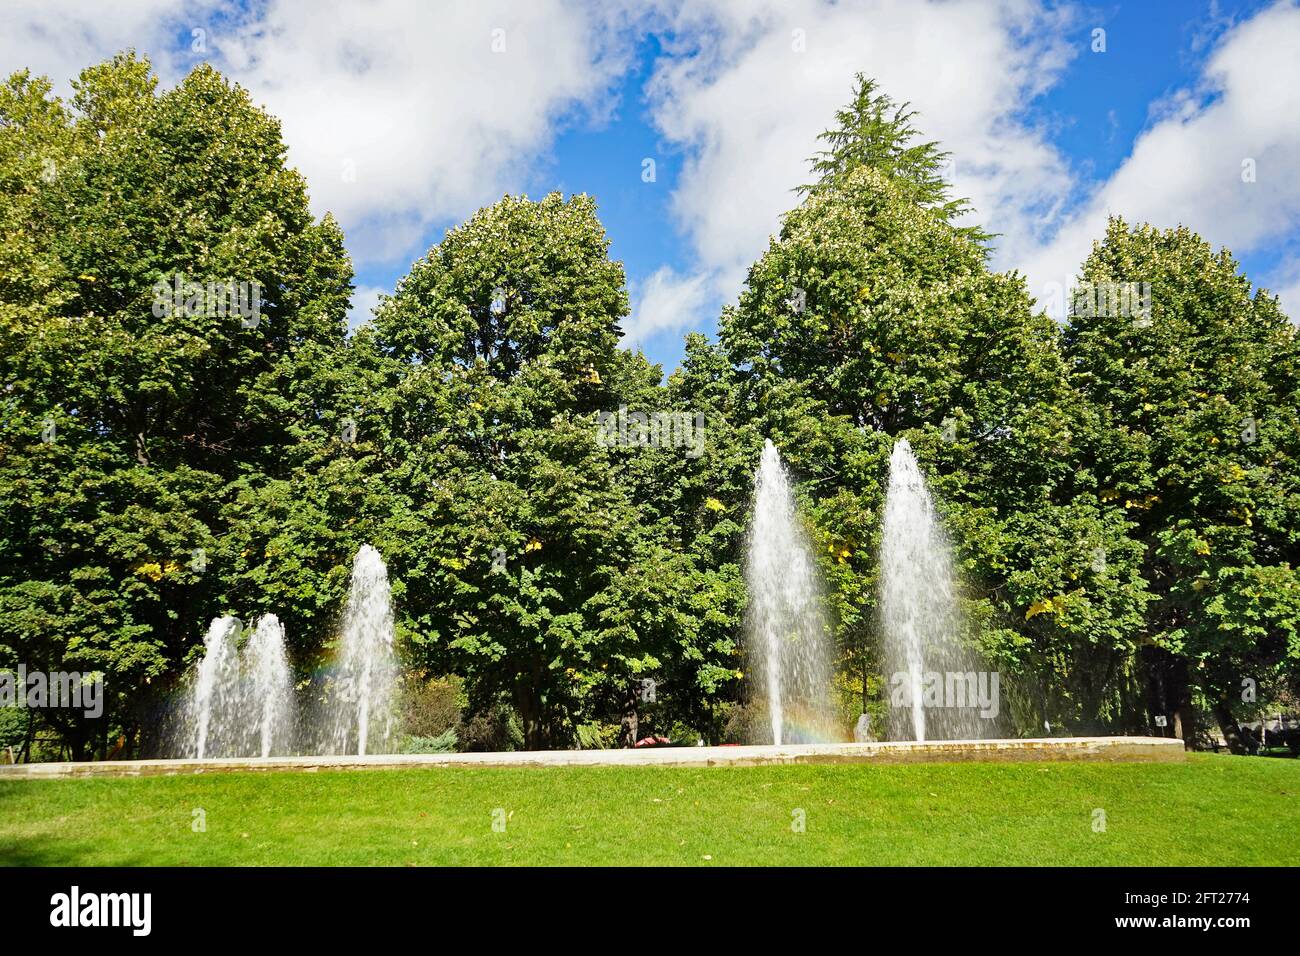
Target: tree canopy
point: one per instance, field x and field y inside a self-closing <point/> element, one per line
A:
<point x="189" y="430"/>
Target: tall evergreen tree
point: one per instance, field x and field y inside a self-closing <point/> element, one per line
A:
<point x="877" y="133"/>
<point x="873" y="317"/>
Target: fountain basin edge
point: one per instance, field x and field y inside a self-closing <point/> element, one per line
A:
<point x="1140" y="749"/>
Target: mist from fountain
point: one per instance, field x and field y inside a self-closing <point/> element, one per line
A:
<point x="924" y="660"/>
<point x="787" y="637"/>
<point x="361" y="695"/>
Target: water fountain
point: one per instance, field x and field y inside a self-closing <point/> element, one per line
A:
<point x="240" y="703"/>
<point x="361" y="695"/>
<point x="216" y="687"/>
<point x="926" y="667"/>
<point x="786" y="630"/>
<point x="268" y="688"/>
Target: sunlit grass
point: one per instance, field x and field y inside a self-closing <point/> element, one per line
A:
<point x="1211" y="810"/>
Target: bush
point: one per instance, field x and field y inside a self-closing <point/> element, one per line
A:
<point x="494" y="729"/>
<point x="444" y="743"/>
<point x="431" y="707"/>
<point x="596" y="736"/>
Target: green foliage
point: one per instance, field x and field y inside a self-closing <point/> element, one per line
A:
<point x="870" y="319"/>
<point x="541" y="575"/>
<point x="1116" y="532"/>
<point x="431" y="708"/>
<point x="128" y="433"/>
<point x="443" y="743"/>
<point x="1199" y="441"/>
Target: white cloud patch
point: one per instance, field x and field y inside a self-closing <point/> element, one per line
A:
<point x="1188" y="167"/>
<point x="403" y="113"/>
<point x="400" y="113"/>
<point x="361" y="309"/>
<point x="748" y="87"/>
<point x="60" y="38"/>
<point x="666" y="302"/>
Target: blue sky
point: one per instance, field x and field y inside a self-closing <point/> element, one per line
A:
<point x="406" y="116"/>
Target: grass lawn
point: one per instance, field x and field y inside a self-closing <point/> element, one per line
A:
<point x="1212" y="810"/>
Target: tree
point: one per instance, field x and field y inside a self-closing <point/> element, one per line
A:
<point x="542" y="577"/>
<point x="1196" y="379"/>
<point x="870" y="318"/>
<point x="166" y="294"/>
<point x="876" y="133"/>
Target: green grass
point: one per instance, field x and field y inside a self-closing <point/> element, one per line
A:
<point x="1210" y="810"/>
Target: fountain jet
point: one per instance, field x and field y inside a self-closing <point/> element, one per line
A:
<point x="923" y="658"/>
<point x="361" y="698"/>
<point x="216" y="688"/>
<point x="787" y="633"/>
<point x="269" y="686"/>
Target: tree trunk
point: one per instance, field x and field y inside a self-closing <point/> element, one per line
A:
<point x="627" y="732"/>
<point x="1169" y="692"/>
<point x="527" y="719"/>
<point x="1231" y="731"/>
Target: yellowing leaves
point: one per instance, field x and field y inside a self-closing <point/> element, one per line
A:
<point x="532" y="545"/>
<point x="1141" y="504"/>
<point x="840" y="552"/>
<point x="1046" y="606"/>
<point x="154" y="570"/>
<point x="713" y="504"/>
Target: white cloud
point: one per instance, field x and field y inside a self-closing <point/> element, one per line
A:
<point x="666" y="302"/>
<point x="362" y="306"/>
<point x="1290" y="297"/>
<point x="1285" y="284"/>
<point x="747" y="106"/>
<point x="1187" y="167"/>
<point x="400" y="113"/>
<point x="60" y="38"/>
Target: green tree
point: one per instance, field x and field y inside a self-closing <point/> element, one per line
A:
<point x="542" y="578"/>
<point x="1196" y="382"/>
<point x="134" y="410"/>
<point x="871" y="317"/>
<point x="877" y="133"/>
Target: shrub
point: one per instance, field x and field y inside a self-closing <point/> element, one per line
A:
<point x="443" y="743"/>
<point x="431" y="707"/>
